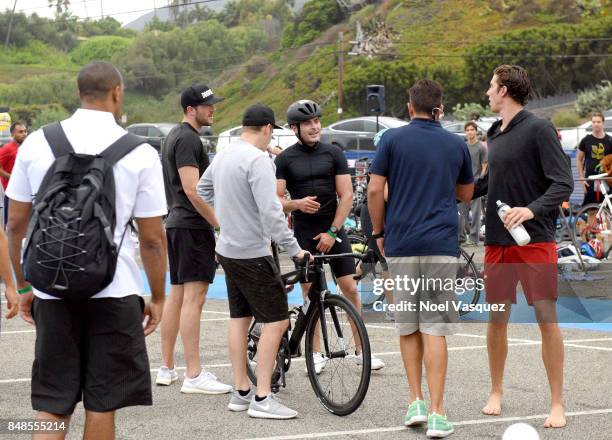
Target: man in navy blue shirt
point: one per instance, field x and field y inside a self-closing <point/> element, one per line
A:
<point x="427" y="169"/>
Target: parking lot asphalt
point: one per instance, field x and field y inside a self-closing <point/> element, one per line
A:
<point x="175" y="416"/>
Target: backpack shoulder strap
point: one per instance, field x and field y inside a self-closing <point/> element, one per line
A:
<point x="56" y="137"/>
<point x="121" y="147"/>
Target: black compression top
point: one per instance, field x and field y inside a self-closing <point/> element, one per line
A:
<point x="312" y="171"/>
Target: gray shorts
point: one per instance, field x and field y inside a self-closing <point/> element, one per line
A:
<point x="427" y="307"/>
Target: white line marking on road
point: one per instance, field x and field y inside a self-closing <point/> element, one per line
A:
<point x="590" y="347"/>
<point x="34" y="331"/>
<point x="481" y="421"/>
<point x="16" y="332"/>
<point x="589" y="340"/>
<point x="469" y="335"/>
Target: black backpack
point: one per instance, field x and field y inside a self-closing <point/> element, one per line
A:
<point x="70" y="252"/>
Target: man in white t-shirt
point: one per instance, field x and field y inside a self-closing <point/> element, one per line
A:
<point x="94" y="350"/>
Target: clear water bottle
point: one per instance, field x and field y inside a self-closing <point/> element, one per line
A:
<point x="519" y="233"/>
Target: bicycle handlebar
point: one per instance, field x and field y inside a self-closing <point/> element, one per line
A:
<point x="304" y="264"/>
<point x="596" y="177"/>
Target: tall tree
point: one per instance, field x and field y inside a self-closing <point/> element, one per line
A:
<point x="61" y="6"/>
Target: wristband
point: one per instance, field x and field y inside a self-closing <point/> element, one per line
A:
<point x="381" y="234"/>
<point x="24" y="290"/>
<point x="334" y="236"/>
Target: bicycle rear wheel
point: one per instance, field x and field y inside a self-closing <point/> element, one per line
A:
<point x="343" y="383"/>
<point x="472" y="286"/>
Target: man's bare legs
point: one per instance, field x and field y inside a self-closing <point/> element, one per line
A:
<point x="99" y="426"/>
<point x="435" y="355"/>
<point x="552" y="355"/>
<point x="497" y="349"/>
<point x="418" y="349"/>
<point x="411" y="347"/>
<point x="194" y="295"/>
<point x="48" y="417"/>
<point x="170" y="324"/>
<point x="267" y="350"/>
<point x="237" y="345"/>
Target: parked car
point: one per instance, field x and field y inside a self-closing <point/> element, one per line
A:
<point x="358" y="133"/>
<point x="571" y="137"/>
<point x="282" y="138"/>
<point x="156" y="133"/>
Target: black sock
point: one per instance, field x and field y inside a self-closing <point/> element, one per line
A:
<point x="259" y="399"/>
<point x="244" y="393"/>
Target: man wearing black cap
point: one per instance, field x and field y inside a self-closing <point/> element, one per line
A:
<point x="191" y="243"/>
<point x="241" y="184"/>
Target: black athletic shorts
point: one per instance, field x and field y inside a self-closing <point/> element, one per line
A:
<point x="305" y="231"/>
<point x="191" y="255"/>
<point x="255" y="288"/>
<point x="93" y="351"/>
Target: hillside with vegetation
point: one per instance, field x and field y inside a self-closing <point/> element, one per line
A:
<point x="262" y="51"/>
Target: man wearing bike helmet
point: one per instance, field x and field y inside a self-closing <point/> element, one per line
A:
<point x="316" y="175"/>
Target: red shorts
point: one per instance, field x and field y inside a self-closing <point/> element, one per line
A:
<point x="534" y="265"/>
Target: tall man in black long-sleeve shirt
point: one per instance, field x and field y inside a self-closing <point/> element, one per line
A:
<point x="529" y="171"/>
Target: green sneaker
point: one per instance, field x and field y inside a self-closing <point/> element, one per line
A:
<point x="417" y="413"/>
<point x="438" y="426"/>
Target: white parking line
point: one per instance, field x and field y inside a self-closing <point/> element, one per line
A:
<point x="469" y="335"/>
<point x="590" y="347"/>
<point x="481" y="421"/>
<point x="301" y="359"/>
<point x="16" y="332"/>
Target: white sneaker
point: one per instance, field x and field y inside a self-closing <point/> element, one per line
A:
<point x="165" y="376"/>
<point x="205" y="383"/>
<point x="320" y="360"/>
<point x="375" y="363"/>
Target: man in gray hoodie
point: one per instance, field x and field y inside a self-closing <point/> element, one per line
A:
<point x="241" y="185"/>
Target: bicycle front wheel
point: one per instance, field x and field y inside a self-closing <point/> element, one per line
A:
<point x="343" y="383"/>
<point x="583" y="226"/>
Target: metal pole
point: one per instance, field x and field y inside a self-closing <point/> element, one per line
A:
<point x="8" y="32"/>
<point x="341" y="73"/>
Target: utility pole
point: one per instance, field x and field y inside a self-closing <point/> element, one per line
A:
<point x="8" y="32"/>
<point x="340" y="73"/>
<point x="101" y="9"/>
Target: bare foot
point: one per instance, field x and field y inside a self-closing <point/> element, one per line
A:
<point x="493" y="406"/>
<point x="556" y="418"/>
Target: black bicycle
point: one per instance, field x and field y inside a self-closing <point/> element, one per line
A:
<point x="466" y="270"/>
<point x="332" y="321"/>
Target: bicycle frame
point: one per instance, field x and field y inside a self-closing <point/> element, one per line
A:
<point x="316" y="294"/>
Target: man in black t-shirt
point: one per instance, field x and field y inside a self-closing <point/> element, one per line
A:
<point x="591" y="150"/>
<point x="191" y="243"/>
<point x="316" y="175"/>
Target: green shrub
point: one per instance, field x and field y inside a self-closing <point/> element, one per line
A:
<point x="595" y="100"/>
<point x="566" y="118"/>
<point x="99" y="48"/>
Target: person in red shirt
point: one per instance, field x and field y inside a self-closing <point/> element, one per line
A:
<point x="8" y="153"/>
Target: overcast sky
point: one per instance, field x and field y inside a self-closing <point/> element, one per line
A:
<point x="122" y="10"/>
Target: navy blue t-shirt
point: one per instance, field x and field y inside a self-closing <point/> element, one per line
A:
<point x="422" y="163"/>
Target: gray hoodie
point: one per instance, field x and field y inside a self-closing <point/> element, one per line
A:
<point x="241" y="185"/>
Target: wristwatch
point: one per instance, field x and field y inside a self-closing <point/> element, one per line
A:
<point x="381" y="234"/>
<point x="333" y="229"/>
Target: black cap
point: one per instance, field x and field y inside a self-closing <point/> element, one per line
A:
<point x="259" y="115"/>
<point x="198" y="94"/>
